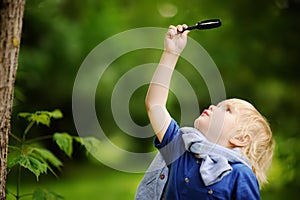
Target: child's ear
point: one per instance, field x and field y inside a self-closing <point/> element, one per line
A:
<point x="240" y="141"/>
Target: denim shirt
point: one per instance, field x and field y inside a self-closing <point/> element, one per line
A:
<point x="162" y="181"/>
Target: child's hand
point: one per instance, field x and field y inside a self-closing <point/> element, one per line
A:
<point x="174" y="40"/>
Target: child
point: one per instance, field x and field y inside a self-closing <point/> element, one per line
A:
<point x="224" y="156"/>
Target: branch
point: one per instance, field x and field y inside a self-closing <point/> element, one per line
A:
<point x="46" y="137"/>
<point x="16" y="137"/>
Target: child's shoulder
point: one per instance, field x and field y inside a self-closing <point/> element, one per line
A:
<point x="239" y="167"/>
<point x="242" y="171"/>
<point x="240" y="183"/>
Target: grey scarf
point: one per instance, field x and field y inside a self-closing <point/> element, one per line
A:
<point x="215" y="164"/>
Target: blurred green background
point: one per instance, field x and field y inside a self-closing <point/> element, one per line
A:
<point x="256" y="51"/>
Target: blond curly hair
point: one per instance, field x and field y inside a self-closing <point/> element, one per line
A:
<point x="261" y="147"/>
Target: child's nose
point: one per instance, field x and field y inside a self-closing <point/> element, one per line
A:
<point x="211" y="107"/>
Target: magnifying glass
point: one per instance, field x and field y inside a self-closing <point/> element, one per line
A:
<point x="206" y="24"/>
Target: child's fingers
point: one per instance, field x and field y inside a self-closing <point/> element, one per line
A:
<point x="174" y="30"/>
<point x="172" y="27"/>
<point x="179" y="28"/>
<point x="185" y="33"/>
<point x="171" y="31"/>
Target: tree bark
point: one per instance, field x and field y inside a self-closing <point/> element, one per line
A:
<point x="11" y="17"/>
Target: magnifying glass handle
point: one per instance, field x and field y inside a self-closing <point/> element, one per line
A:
<point x="206" y="24"/>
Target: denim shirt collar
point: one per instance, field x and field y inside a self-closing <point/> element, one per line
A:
<point x="216" y="158"/>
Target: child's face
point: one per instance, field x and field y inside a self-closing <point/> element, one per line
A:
<point x="216" y="122"/>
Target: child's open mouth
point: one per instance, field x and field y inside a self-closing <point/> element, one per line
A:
<point x="205" y="112"/>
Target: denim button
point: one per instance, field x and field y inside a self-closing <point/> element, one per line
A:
<point x="210" y="191"/>
<point x="162" y="176"/>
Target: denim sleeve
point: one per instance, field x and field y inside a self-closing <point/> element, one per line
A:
<point x="247" y="187"/>
<point x="172" y="146"/>
<point x="170" y="134"/>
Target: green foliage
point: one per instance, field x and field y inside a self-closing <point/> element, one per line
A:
<point x="32" y="157"/>
<point x="26" y="159"/>
<point x="64" y="141"/>
<point x="35" y="159"/>
<point x="90" y="143"/>
<point x="42" y="194"/>
<point x="42" y="117"/>
<point x="38" y="160"/>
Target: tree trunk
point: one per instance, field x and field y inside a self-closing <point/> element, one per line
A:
<point x="11" y="12"/>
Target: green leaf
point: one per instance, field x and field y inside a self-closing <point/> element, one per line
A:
<point x="47" y="155"/>
<point x="37" y="117"/>
<point x="56" y="114"/>
<point x="43" y="194"/>
<point x="65" y="142"/>
<point x="26" y="158"/>
<point x="24" y="115"/>
<point x="78" y="139"/>
<point x="34" y="165"/>
<point x="14" y="156"/>
<point x="39" y="194"/>
<point x="42" y="117"/>
<point x="34" y="159"/>
<point x="10" y="195"/>
<point x="90" y="143"/>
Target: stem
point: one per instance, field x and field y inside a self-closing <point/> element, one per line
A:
<point x="19" y="183"/>
<point x="39" y="138"/>
<point x="20" y="167"/>
<point x="27" y="130"/>
<point x="22" y="141"/>
<point x="16" y="137"/>
<point x="25" y="195"/>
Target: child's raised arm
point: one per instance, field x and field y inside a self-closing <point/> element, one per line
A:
<point x="157" y="95"/>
